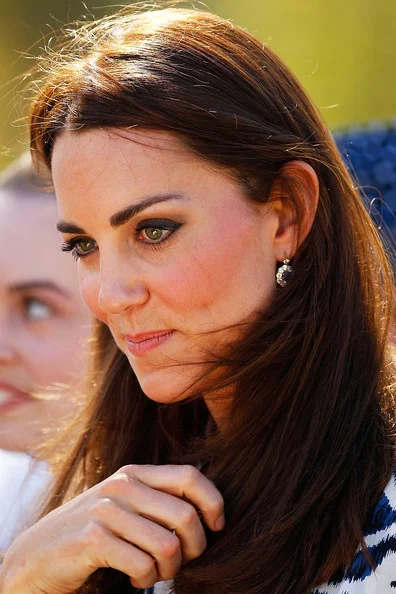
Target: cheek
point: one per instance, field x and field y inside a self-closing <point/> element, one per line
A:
<point x="42" y="364"/>
<point x="223" y="269"/>
<point x="90" y="288"/>
<point x="55" y="356"/>
<point x="224" y="276"/>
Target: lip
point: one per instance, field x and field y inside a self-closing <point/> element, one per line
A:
<point x="11" y="397"/>
<point x="140" y="344"/>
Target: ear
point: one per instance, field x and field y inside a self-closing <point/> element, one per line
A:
<point x="294" y="198"/>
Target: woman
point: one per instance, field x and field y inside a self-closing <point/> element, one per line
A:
<point x="242" y="435"/>
<point x="43" y="322"/>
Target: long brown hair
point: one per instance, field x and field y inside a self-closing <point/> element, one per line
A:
<point x="310" y="440"/>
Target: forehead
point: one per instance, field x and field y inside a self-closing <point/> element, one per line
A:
<point x="19" y="214"/>
<point x="29" y="242"/>
<point x="95" y="153"/>
<point x="114" y="165"/>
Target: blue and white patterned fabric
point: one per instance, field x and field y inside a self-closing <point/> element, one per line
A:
<point x="380" y="537"/>
<point x="360" y="578"/>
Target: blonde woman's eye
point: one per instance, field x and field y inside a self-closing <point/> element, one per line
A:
<point x="36" y="310"/>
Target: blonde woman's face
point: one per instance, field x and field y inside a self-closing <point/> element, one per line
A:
<point x="170" y="252"/>
<point x="43" y="322"/>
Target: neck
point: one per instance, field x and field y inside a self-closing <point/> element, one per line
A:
<point x="219" y="404"/>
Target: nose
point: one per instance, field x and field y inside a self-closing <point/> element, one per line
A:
<point x="119" y="292"/>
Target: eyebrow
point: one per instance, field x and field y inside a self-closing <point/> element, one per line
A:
<point x="123" y="216"/>
<point x="32" y="285"/>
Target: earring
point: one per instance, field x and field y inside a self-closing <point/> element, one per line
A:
<point x="284" y="272"/>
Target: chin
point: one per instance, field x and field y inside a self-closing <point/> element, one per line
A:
<point x="164" y="386"/>
<point x="16" y="440"/>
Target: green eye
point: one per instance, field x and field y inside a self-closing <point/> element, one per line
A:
<point x="80" y="247"/>
<point x="84" y="246"/>
<point x="154" y="233"/>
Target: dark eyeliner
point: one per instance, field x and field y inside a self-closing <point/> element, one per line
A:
<point x="71" y="246"/>
<point x="163" y="225"/>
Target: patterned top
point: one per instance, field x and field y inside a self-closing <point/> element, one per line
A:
<point x="380" y="537"/>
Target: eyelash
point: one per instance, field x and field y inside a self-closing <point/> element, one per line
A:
<point x="161" y="224"/>
<point x="71" y="246"/>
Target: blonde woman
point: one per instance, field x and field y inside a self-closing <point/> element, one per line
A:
<point x="43" y="326"/>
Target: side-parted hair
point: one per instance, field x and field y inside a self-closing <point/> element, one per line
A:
<point x="310" y="442"/>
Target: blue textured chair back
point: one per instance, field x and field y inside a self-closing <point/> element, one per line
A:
<point x="370" y="154"/>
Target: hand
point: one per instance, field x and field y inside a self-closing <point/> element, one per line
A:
<point x="143" y="521"/>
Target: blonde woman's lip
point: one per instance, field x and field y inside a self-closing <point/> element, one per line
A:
<point x="11" y="397"/>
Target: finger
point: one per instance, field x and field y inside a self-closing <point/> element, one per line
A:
<point x="168" y="511"/>
<point x="158" y="542"/>
<point x="110" y="551"/>
<point x="184" y="481"/>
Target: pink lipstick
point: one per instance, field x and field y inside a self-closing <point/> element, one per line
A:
<point x="140" y="344"/>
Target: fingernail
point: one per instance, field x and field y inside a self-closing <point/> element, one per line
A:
<point x="220" y="522"/>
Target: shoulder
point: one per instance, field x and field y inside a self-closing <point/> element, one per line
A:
<point x="380" y="538"/>
<point x="22" y="484"/>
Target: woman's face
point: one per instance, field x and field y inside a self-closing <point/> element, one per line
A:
<point x="170" y="252"/>
<point x="43" y="321"/>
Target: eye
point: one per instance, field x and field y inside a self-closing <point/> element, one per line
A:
<point x="80" y="247"/>
<point x="84" y="246"/>
<point x="36" y="310"/>
<point x="154" y="234"/>
<point x="156" y="231"/>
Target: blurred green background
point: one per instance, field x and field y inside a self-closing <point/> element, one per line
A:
<point x="343" y="51"/>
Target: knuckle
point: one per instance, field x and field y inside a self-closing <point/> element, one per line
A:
<point x="115" y="486"/>
<point x="217" y="505"/>
<point x="187" y="516"/>
<point x="144" y="570"/>
<point x="168" y="546"/>
<point x="191" y="475"/>
<point x="197" y="550"/>
<point x="128" y="471"/>
<point x="93" y="535"/>
<point x="103" y="508"/>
